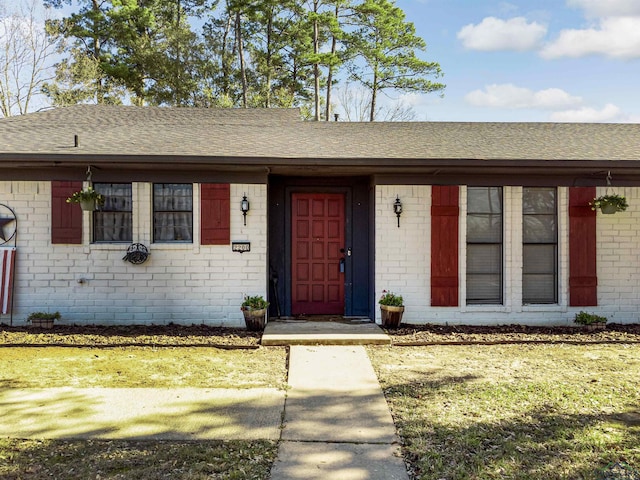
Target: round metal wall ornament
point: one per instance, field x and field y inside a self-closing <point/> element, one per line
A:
<point x="137" y="253"/>
<point x="8" y="224"/>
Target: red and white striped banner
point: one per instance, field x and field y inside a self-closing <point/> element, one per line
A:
<point x="7" y="264"/>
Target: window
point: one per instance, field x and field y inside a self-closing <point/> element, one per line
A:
<point x="484" y="245"/>
<point x="540" y="245"/>
<point x="113" y="221"/>
<point x="173" y="212"/>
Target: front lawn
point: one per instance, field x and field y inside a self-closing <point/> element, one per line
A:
<point x="142" y="367"/>
<point x="119" y="459"/>
<point x="547" y="411"/>
<point x="137" y="367"/>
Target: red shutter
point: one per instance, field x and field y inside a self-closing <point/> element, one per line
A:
<point x="215" y="215"/>
<point x="583" y="280"/>
<point x="66" y="218"/>
<point x="444" y="246"/>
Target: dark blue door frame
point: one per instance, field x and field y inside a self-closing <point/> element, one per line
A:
<point x="358" y="237"/>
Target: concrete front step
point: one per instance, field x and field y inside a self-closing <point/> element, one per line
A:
<point x="308" y="332"/>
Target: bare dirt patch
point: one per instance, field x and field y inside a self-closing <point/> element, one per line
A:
<point x="461" y="334"/>
<point x="158" y="335"/>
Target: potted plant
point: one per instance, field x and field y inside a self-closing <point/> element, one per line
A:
<point x="591" y="321"/>
<point x="88" y="199"/>
<point x="391" y="309"/>
<point x="43" y="319"/>
<point x="255" y="312"/>
<point x="610" y="203"/>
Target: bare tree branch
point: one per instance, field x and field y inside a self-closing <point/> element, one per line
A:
<point x="355" y="103"/>
<point x="25" y="57"/>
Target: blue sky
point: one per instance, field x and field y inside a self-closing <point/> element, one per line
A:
<point x="560" y="61"/>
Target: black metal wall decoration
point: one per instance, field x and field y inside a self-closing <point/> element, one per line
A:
<point x="397" y="208"/>
<point x="137" y="253"/>
<point x="8" y="225"/>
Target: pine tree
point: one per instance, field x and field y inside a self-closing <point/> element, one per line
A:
<point x="384" y="49"/>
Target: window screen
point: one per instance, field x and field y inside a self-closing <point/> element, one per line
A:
<point x="113" y="221"/>
<point x="173" y="212"/>
<point x="484" y="245"/>
<point x="540" y="245"/>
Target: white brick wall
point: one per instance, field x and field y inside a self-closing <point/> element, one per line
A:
<point x="403" y="259"/>
<point x="403" y="262"/>
<point x="90" y="283"/>
<point x="618" y="261"/>
<point x="180" y="283"/>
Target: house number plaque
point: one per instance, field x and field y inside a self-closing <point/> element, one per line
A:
<point x="241" y="247"/>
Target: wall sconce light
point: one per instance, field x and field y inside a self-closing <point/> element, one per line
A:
<point x="397" y="209"/>
<point x="244" y="206"/>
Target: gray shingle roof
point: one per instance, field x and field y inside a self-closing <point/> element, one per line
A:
<point x="281" y="134"/>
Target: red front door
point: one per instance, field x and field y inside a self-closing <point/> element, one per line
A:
<point x="317" y="223"/>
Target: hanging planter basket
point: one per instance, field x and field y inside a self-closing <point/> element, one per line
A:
<point x="608" y="209"/>
<point x="88" y="205"/>
<point x="610" y="203"/>
<point x="88" y="199"/>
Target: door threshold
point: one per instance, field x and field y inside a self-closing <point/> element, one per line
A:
<point x="323" y="318"/>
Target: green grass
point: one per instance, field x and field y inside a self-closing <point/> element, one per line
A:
<point x="138" y="367"/>
<point x="514" y="412"/>
<point x="91" y="459"/>
<point x="142" y="367"/>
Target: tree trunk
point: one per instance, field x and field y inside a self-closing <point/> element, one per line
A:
<point x="243" y="72"/>
<point x="327" y="110"/>
<point x="334" y="46"/>
<point x="374" y="92"/>
<point x="96" y="55"/>
<point x="269" y="79"/>
<point x="226" y="67"/>
<point x="177" y="86"/>
<point x="316" y="67"/>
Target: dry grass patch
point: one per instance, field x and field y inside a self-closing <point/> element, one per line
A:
<point x="140" y="367"/>
<point x="81" y="460"/>
<point x="514" y="411"/>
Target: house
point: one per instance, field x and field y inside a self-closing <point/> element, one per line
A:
<point x="495" y="224"/>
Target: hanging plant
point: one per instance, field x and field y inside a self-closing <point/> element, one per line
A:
<point x="610" y="203"/>
<point x="88" y="198"/>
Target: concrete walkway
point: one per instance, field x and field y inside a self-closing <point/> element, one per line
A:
<point x="337" y="423"/>
<point x="142" y="413"/>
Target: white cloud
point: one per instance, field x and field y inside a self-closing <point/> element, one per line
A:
<point x="413" y="99"/>
<point x="495" y="34"/>
<point x="609" y="113"/>
<point x="617" y="37"/>
<point x="607" y="8"/>
<point x="511" y="96"/>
